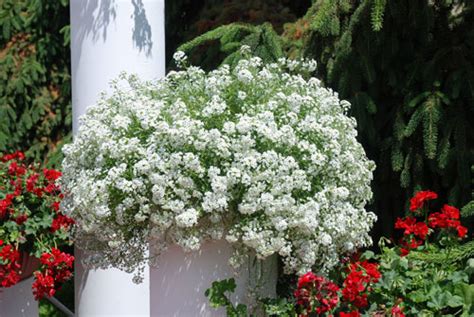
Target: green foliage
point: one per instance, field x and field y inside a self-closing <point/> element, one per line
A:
<point x="453" y="254"/>
<point x="377" y="14"/>
<point x="280" y="307"/>
<point x="262" y="40"/>
<point x="35" y="111"/>
<point x="218" y="297"/>
<point x="427" y="287"/>
<point x="468" y="210"/>
<point x="46" y="309"/>
<point x="186" y="20"/>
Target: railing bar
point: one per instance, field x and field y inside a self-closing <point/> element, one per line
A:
<point x="60" y="306"/>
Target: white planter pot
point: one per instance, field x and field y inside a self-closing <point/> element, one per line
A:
<point x="18" y="300"/>
<point x="178" y="284"/>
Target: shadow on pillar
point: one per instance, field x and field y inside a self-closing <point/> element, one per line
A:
<point x="142" y="30"/>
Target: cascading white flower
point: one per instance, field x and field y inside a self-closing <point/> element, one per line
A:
<point x="256" y="155"/>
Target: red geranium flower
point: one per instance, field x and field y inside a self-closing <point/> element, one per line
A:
<point x="354" y="313"/>
<point x="316" y="293"/>
<point x="462" y="231"/>
<point x="21" y="219"/>
<point x="9" y="258"/>
<point x="447" y="218"/>
<point x="411" y="226"/>
<point x="31" y="182"/>
<point x="43" y="285"/>
<point x="61" y="222"/>
<point x="57" y="267"/>
<point x="411" y="244"/>
<point x="397" y="311"/>
<point x="419" y="199"/>
<point x="51" y="175"/>
<point x="357" y="283"/>
<point x="31" y="194"/>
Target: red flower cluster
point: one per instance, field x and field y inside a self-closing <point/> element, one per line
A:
<point x="418" y="201"/>
<point x="397" y="311"/>
<point x="9" y="266"/>
<point x="51" y="175"/>
<point x="446" y="219"/>
<point x="61" y="222"/>
<point x="411" y="226"/>
<point x="362" y="276"/>
<point x="25" y="180"/>
<point x="358" y="282"/>
<point x="5" y="204"/>
<point x="13" y="156"/>
<point x="409" y="244"/>
<point x="354" y="313"/>
<point x="57" y="269"/>
<point x="316" y="294"/>
<point x="27" y="195"/>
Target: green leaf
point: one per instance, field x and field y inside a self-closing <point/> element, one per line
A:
<point x="397" y="157"/>
<point x="414" y="122"/>
<point x="466" y="292"/>
<point x="455" y="301"/>
<point x="431" y="117"/>
<point x="415" y="101"/>
<point x="376" y="15"/>
<point x="241" y="310"/>
<point x="468" y="210"/>
<point x="216" y="293"/>
<point x="367" y="255"/>
<point x="279" y="307"/>
<point x="418" y="296"/>
<point x="444" y="151"/>
<point x="405" y="174"/>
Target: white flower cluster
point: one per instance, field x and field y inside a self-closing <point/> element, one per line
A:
<point x="255" y="155"/>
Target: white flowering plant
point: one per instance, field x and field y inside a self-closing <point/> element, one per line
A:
<point x="257" y="155"/>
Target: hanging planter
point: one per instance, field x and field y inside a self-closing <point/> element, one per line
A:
<point x="28" y="265"/>
<point x="257" y="156"/>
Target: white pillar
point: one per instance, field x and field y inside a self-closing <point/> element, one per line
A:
<point x="108" y="37"/>
<point x="18" y="300"/>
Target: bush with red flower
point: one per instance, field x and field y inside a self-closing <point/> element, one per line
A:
<point x="32" y="227"/>
<point x="430" y="272"/>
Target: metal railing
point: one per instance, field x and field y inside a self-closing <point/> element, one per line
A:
<point x="60" y="306"/>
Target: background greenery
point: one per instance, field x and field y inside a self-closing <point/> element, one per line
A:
<point x="35" y="94"/>
<point x="406" y="66"/>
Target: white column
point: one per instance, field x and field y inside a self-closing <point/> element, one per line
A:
<point x="108" y="37"/>
<point x="18" y="300"/>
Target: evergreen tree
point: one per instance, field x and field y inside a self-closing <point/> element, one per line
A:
<point x="186" y="20"/>
<point x="35" y="105"/>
